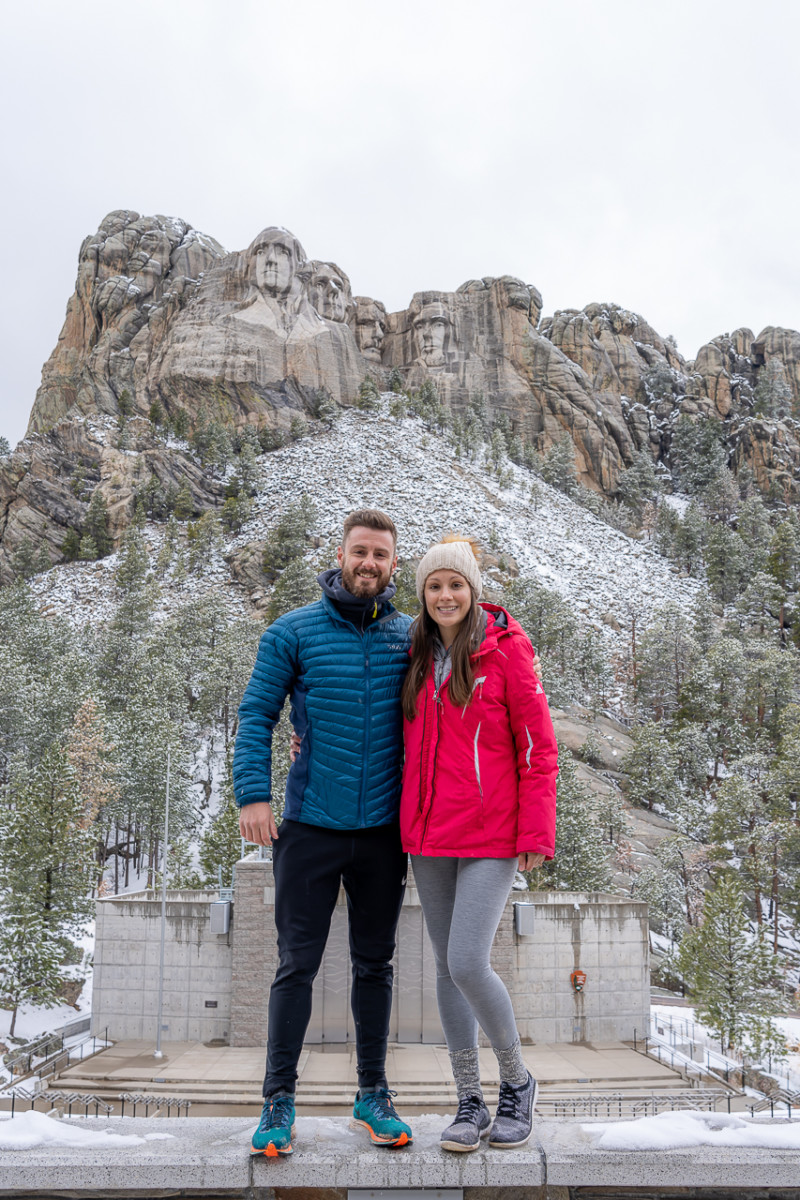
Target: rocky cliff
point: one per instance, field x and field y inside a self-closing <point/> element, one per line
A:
<point x="164" y="319"/>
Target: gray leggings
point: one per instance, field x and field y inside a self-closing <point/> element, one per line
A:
<point x="463" y="900"/>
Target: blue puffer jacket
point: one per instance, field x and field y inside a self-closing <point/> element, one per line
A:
<point x="345" y="692"/>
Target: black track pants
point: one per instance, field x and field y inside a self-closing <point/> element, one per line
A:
<point x="309" y="864"/>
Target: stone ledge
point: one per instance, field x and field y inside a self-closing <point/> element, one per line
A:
<point x="210" y="1156"/>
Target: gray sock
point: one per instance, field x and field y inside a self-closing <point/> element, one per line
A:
<point x="466" y="1072"/>
<point x="512" y="1068"/>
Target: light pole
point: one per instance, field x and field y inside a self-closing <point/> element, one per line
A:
<point x="157" y="1053"/>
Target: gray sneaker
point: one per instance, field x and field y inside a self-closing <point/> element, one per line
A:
<point x="471" y="1124"/>
<point x="514" y="1121"/>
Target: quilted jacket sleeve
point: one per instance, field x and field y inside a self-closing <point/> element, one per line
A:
<point x="536" y="747"/>
<point x="260" y="710"/>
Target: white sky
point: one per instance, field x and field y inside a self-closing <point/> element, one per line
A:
<point x="633" y="151"/>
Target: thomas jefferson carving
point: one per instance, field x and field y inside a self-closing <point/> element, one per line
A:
<point x="329" y="290"/>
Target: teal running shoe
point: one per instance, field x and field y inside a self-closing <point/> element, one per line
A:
<point x="374" y="1111"/>
<point x="276" y="1127"/>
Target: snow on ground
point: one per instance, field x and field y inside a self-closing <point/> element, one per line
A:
<point x="374" y="460"/>
<point x="30" y="1129"/>
<point x="681" y="1130"/>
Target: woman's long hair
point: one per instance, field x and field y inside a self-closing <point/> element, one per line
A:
<point x="462" y="676"/>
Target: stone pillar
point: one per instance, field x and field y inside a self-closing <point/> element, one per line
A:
<point x="255" y="951"/>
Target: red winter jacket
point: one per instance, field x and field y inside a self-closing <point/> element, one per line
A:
<point x="480" y="782"/>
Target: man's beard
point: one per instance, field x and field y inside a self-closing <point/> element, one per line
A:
<point x="364" y="586"/>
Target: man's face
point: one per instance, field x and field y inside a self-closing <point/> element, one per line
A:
<point x="274" y="268"/>
<point x="367" y="559"/>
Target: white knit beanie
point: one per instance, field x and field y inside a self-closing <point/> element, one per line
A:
<point x="457" y="555"/>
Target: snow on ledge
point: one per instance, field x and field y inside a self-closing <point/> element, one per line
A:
<point x="681" y="1130"/>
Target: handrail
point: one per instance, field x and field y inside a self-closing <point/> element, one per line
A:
<point x="655" y="1047"/>
<point x="50" y="1063"/>
<point x="697" y="1034"/>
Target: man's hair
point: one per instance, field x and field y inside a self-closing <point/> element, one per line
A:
<point x="369" y="518"/>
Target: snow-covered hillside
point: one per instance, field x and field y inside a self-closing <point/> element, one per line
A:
<point x="373" y="459"/>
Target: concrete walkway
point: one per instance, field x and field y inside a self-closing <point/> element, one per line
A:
<point x="227" y="1080"/>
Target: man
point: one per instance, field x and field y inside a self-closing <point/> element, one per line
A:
<point x="342" y="660"/>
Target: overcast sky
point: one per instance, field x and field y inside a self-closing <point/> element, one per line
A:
<point x="640" y="152"/>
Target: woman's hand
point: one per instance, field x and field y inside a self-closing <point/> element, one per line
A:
<point x="295" y="743"/>
<point x="530" y="862"/>
<point x="537" y="664"/>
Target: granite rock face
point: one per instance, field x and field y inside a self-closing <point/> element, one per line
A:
<point x="162" y="315"/>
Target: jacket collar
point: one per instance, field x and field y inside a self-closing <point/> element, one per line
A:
<point x="497" y="627"/>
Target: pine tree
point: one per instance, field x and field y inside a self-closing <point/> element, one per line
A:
<point x="753" y="528"/>
<point x="5" y="448"/>
<point x="327" y="411"/>
<point x="43" y="561"/>
<point x="23" y="559"/>
<point x="71" y="546"/>
<point x="639" y="484"/>
<point x="95" y="526"/>
<point x="666" y="653"/>
<point x="221" y="845"/>
<point x="714" y="698"/>
<point x="581" y="860"/>
<point x="47" y="873"/>
<point x="688" y="543"/>
<point x="87" y="551"/>
<point x="297" y="585"/>
<point x="725" y="555"/>
<point x="29" y="958"/>
<point x="287" y="540"/>
<point x="720" y="497"/>
<point x="729" y="972"/>
<point x="134" y="561"/>
<point x="772" y="397"/>
<point x="368" y="395"/>
<point x="661" y="889"/>
<point x="184" y="505"/>
<point x="405" y="598"/>
<point x="651" y="767"/>
<point x="697" y="452"/>
<point x="557" y="466"/>
<point x="396" y="382"/>
<point x="204" y="539"/>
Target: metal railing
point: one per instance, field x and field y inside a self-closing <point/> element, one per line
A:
<point x="622" y="1104"/>
<point x="671" y="1029"/>
<point x="24" y="1099"/>
<point x="658" y="1048"/>
<point x="49" y="1055"/>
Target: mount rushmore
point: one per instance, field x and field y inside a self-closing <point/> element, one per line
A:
<point x="161" y="313"/>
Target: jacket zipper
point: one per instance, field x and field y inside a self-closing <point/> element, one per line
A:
<point x="362" y="801"/>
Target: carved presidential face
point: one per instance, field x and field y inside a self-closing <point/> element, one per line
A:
<point x="329" y="291"/>
<point x="275" y="267"/>
<point x="275" y="256"/>
<point x="432" y="329"/>
<point x="370" y="328"/>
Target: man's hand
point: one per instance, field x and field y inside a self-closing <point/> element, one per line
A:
<point x="294" y="746"/>
<point x="537" y="664"/>
<point x="257" y="824"/>
<point x="530" y="862"/>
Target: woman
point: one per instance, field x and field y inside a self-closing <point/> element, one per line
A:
<point x="478" y="801"/>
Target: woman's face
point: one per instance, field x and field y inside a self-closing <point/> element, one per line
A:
<point x="448" y="600"/>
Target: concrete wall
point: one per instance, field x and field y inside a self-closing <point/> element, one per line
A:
<point x="604" y="935"/>
<point x="197" y="968"/>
